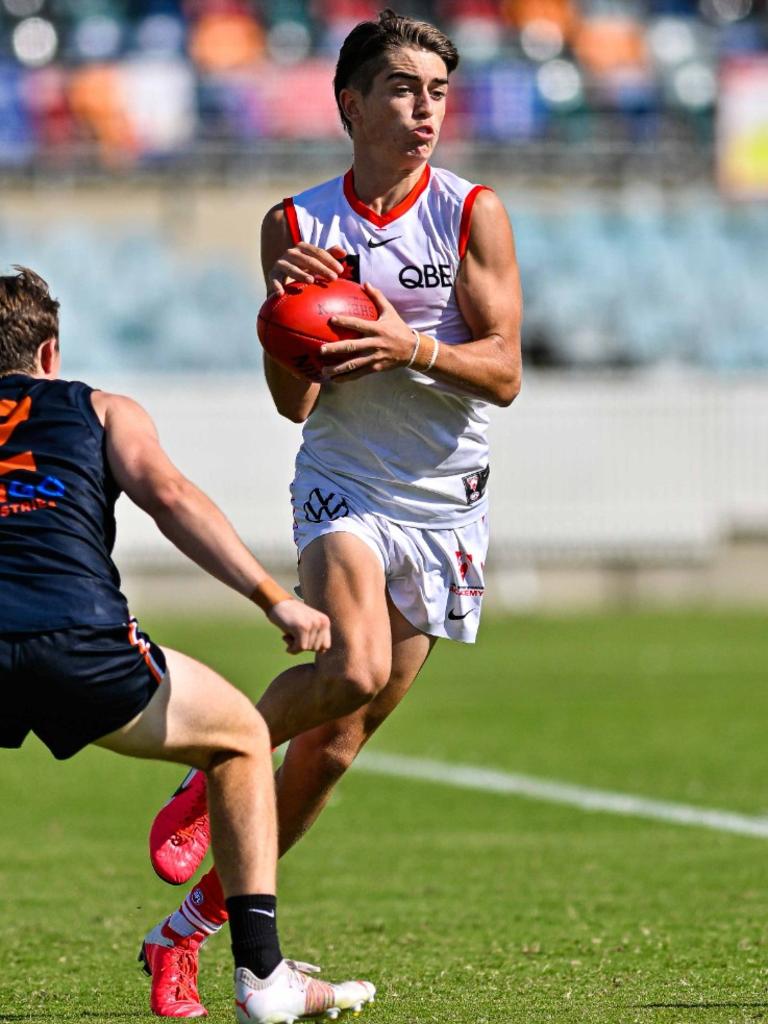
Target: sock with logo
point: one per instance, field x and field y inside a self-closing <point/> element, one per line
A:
<point x="203" y="910"/>
<point x="253" y="926"/>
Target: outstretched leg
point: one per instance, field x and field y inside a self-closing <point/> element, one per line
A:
<point x="197" y="718"/>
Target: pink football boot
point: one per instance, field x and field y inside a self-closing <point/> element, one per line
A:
<point x="180" y="834"/>
<point x="171" y="962"/>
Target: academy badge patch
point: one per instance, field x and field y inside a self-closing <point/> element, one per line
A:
<point x="475" y="484"/>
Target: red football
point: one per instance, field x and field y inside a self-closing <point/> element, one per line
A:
<point x="293" y="327"/>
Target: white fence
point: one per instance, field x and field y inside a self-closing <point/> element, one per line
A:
<point x="656" y="469"/>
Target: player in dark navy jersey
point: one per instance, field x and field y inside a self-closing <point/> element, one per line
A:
<point x="74" y="667"/>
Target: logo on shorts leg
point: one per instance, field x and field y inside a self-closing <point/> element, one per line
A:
<point x="321" y="506"/>
<point x="465" y="562"/>
<point x="475" y="484"/>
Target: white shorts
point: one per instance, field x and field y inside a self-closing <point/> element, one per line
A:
<point x="435" y="578"/>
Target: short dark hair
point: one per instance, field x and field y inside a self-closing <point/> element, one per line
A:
<point x="364" y="50"/>
<point x="28" y="317"/>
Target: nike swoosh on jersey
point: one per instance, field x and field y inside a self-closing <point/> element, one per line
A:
<point x="384" y="241"/>
<point x="452" y="614"/>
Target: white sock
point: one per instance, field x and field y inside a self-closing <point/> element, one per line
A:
<point x="189" y="918"/>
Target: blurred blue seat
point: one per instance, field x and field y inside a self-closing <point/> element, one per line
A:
<point x="647" y="282"/>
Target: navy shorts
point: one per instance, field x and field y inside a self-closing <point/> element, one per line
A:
<point x="73" y="686"/>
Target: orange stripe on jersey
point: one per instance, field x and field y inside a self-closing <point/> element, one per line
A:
<point x="466" y="218"/>
<point x="292" y="220"/>
<point x="17" y="412"/>
<point x="144" y="650"/>
<point x="24" y="460"/>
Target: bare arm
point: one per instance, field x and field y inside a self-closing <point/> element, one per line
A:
<point x="192" y="522"/>
<point x="283" y="261"/>
<point x="490" y="300"/>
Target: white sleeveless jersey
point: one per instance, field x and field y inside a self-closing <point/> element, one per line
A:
<point x="400" y="444"/>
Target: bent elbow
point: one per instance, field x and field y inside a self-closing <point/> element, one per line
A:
<point x="292" y="413"/>
<point x="508" y="391"/>
<point x="508" y="373"/>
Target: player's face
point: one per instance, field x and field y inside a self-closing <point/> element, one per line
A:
<point x="404" y="108"/>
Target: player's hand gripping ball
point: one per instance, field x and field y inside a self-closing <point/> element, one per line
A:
<point x="294" y="326"/>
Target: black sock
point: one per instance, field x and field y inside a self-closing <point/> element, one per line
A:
<point x="253" y="927"/>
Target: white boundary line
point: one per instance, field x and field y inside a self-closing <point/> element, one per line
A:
<point x="490" y="781"/>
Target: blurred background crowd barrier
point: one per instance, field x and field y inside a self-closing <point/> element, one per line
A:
<point x="141" y="142"/>
<point x="605" y="490"/>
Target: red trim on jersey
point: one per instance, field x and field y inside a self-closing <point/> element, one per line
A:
<point x="466" y="217"/>
<point x="381" y="220"/>
<point x="292" y="220"/>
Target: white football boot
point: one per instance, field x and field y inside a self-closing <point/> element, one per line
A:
<point x="289" y="993"/>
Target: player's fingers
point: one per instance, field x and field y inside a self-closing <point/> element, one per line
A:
<point x="323" y="257"/>
<point x="311" y="631"/>
<point x="337" y="350"/>
<point x="338" y="251"/>
<point x="381" y="302"/>
<point x="320" y="631"/>
<point x="324" y="639"/>
<point x="307" y="265"/>
<point x="285" y="271"/>
<point x="353" y="323"/>
<point x="297" y="644"/>
<point x="347" y="371"/>
<point x="348" y="347"/>
<point x="288" y="641"/>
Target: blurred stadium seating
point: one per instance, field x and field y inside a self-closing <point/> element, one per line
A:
<point x="168" y="312"/>
<point x="626" y="280"/>
<point x="146" y="81"/>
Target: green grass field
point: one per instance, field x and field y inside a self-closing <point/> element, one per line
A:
<point x="465" y="907"/>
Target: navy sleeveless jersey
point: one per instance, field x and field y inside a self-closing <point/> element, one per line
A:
<point x="57" y="501"/>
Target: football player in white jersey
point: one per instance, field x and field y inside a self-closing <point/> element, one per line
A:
<point x="389" y="492"/>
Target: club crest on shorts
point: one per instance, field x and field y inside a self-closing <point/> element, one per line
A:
<point x="475" y="484"/>
<point x="330" y="505"/>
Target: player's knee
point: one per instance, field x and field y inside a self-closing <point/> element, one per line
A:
<point x="351" y="685"/>
<point x="246" y="732"/>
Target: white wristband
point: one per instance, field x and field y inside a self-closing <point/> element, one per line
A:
<point x="415" y="348"/>
<point x="433" y="357"/>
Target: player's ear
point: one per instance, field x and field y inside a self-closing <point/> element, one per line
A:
<point x="48" y="357"/>
<point x="349" y="101"/>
